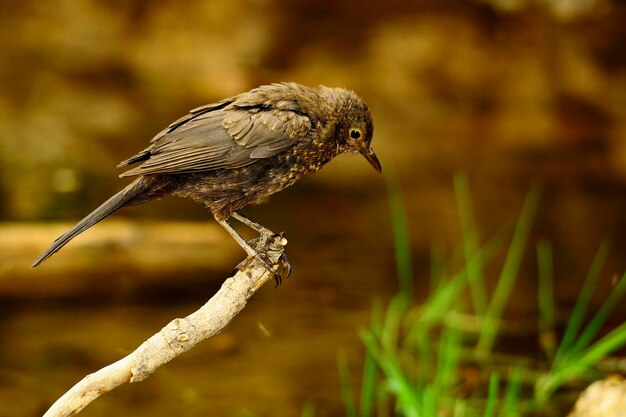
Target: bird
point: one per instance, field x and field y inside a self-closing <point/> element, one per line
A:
<point x="238" y="151"/>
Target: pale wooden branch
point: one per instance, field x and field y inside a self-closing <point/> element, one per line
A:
<point x="179" y="335"/>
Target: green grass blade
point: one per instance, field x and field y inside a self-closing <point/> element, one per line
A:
<point x="614" y="340"/>
<point x="547" y="309"/>
<point x="511" y="404"/>
<point x="393" y="320"/>
<point x="400" y="229"/>
<point x="578" y="314"/>
<point x="448" y="360"/>
<point x="441" y="301"/>
<point x="409" y="403"/>
<point x="579" y="366"/>
<point x="346" y="385"/>
<point x="424" y="354"/>
<point x="595" y="325"/>
<point x="509" y="273"/>
<point x="475" y="275"/>
<point x="368" y="386"/>
<point x="429" y="405"/>
<point x="492" y="396"/>
<point x="396" y="380"/>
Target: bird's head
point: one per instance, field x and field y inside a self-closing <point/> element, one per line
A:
<point x="356" y="130"/>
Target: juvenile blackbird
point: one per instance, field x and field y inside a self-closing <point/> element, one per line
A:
<point x="237" y="151"/>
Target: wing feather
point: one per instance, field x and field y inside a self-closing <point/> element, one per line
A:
<point x="221" y="136"/>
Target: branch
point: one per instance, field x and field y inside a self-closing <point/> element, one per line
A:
<point x="179" y="335"/>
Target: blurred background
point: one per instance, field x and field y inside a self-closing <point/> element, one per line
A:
<point x="509" y="93"/>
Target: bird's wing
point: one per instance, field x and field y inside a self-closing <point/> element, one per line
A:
<point x="220" y="136"/>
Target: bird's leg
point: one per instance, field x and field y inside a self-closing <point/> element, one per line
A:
<point x="284" y="262"/>
<point x="249" y="249"/>
<point x="251" y="224"/>
<point x="252" y="252"/>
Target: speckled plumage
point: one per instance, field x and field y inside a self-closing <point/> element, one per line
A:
<point x="235" y="152"/>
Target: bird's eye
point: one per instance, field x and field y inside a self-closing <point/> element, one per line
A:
<point x="356" y="133"/>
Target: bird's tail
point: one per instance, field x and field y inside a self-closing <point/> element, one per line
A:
<point x="131" y="194"/>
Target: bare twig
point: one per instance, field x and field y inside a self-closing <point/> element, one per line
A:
<point x="179" y="335"/>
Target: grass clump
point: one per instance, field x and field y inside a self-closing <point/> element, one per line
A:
<point x="443" y="357"/>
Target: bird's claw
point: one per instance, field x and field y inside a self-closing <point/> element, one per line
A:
<point x="281" y="268"/>
<point x="286" y="264"/>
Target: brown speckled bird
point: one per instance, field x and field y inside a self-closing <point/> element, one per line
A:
<point x="232" y="153"/>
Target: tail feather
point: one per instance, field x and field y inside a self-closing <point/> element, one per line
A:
<point x="122" y="198"/>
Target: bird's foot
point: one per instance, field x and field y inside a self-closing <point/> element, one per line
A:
<point x="281" y="268"/>
<point x="266" y="245"/>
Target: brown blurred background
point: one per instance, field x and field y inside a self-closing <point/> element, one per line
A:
<point x="509" y="93"/>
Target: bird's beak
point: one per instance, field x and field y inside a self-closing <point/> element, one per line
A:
<point x="372" y="159"/>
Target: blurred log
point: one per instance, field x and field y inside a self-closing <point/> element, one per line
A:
<point x="109" y="254"/>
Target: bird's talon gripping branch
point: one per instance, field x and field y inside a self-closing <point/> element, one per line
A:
<point x="259" y="247"/>
<point x="274" y="270"/>
<point x="283" y="264"/>
<point x="278" y="269"/>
